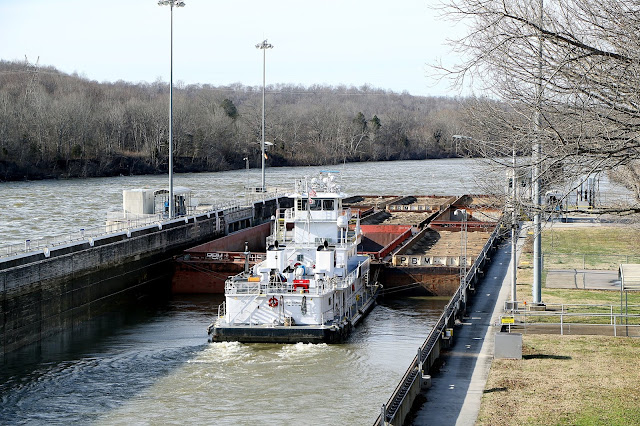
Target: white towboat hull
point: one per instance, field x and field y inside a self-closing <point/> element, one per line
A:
<point x="334" y="333"/>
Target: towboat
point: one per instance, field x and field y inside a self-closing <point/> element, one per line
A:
<point x="313" y="286"/>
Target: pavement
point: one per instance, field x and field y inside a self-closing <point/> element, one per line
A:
<point x="586" y="279"/>
<point x="456" y="392"/>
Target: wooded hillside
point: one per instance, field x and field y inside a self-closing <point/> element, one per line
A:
<point x="58" y="125"/>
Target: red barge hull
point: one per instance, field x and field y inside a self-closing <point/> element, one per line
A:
<point x="205" y="268"/>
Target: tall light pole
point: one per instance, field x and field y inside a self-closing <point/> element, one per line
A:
<point x="172" y="206"/>
<point x="246" y="185"/>
<point x="264" y="46"/>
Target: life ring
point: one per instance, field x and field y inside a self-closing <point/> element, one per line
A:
<point x="273" y="302"/>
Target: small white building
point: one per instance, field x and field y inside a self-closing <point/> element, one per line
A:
<point x="141" y="206"/>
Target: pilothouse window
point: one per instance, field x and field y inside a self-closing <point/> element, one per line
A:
<point x="316" y="204"/>
<point x="327" y="204"/>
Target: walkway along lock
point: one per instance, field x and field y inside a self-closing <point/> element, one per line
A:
<point x="417" y="376"/>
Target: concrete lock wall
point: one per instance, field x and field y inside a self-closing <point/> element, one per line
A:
<point x="50" y="291"/>
<point x="51" y="294"/>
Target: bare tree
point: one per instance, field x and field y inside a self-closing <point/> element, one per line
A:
<point x="59" y="124"/>
<point x="575" y="71"/>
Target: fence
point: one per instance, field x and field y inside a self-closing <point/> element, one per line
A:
<point x="575" y="324"/>
<point x="396" y="408"/>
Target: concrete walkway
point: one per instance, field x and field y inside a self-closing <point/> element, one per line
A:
<point x="456" y="392"/>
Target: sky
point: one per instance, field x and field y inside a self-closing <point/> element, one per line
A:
<point x="385" y="44"/>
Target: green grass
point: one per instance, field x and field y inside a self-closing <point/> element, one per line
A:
<point x="602" y="240"/>
<point x="585" y="248"/>
<point x="619" y="414"/>
<point x="565" y="380"/>
<point x="577" y="296"/>
<point x="606" y="247"/>
<point x="587" y="261"/>
<point x="571" y="380"/>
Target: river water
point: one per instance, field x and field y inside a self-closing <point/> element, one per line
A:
<point x="52" y="207"/>
<point x="150" y="363"/>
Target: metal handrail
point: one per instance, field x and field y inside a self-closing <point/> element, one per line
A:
<point x="566" y="306"/>
<point x="84" y="234"/>
<point x="128" y="224"/>
<point x="238" y="285"/>
<point x="400" y="392"/>
<point x="616" y="321"/>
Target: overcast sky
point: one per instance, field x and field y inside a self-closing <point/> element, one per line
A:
<point x="386" y="44"/>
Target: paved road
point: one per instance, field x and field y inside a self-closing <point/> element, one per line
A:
<point x="592" y="279"/>
<point x="456" y="392"/>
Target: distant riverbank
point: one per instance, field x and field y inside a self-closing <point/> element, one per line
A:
<point x="122" y="165"/>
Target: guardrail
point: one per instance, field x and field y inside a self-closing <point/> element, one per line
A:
<point x="401" y="400"/>
<point x="616" y="324"/>
<point x="84" y="234"/>
<point x="122" y="224"/>
<point x="567" y="307"/>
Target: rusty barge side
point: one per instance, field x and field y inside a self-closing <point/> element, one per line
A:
<point x="414" y="242"/>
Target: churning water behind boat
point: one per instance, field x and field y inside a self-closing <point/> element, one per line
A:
<point x="151" y="364"/>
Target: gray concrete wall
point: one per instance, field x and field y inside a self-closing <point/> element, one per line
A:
<point x="53" y="293"/>
<point x="43" y="293"/>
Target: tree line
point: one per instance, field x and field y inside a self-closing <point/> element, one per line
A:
<point x="54" y="124"/>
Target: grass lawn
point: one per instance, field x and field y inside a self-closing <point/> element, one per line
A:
<point x="602" y="247"/>
<point x="570" y="380"/>
<point x="599" y="242"/>
<point x="565" y="380"/>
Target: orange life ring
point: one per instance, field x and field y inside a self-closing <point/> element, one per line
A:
<point x="273" y="302"/>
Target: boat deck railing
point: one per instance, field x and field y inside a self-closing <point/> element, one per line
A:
<point x="290" y="242"/>
<point x="351" y="311"/>
<point x="240" y="284"/>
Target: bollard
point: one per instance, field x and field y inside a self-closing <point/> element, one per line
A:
<point x="27" y="245"/>
<point x="425" y="381"/>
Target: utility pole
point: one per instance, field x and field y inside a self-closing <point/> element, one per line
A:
<point x="537" y="158"/>
<point x="263" y="46"/>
